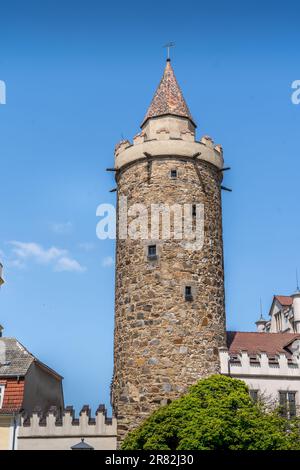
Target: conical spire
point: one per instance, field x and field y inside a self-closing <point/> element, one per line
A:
<point x="168" y="98"/>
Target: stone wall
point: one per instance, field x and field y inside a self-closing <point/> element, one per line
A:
<point x="164" y="343"/>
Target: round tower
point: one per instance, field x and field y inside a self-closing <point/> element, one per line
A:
<point x="169" y="298"/>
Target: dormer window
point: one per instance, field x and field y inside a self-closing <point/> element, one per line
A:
<point x="152" y="254"/>
<point x="173" y="174"/>
<point x="188" y="293"/>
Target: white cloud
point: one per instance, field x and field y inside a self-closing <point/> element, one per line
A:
<point x="63" y="228"/>
<point x="86" y="246"/>
<point x="107" y="262"/>
<point x="37" y="252"/>
<point x="59" y="258"/>
<point x="16" y="263"/>
<point x="68" y="264"/>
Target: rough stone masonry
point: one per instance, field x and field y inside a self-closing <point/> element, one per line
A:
<point x="164" y="341"/>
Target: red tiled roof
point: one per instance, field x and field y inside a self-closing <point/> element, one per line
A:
<point x="168" y="98"/>
<point x="253" y="342"/>
<point x="13" y="395"/>
<point x="284" y="300"/>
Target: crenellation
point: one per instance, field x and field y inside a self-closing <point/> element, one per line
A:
<point x="265" y="365"/>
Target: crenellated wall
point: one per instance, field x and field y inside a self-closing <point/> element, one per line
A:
<point x="61" y="431"/>
<point x="165" y="142"/>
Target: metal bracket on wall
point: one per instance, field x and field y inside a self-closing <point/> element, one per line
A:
<point x="226" y="189"/>
<point x="115" y="170"/>
<point x="225" y="169"/>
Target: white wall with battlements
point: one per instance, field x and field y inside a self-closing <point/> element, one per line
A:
<point x="54" y="432"/>
<point x="268" y="375"/>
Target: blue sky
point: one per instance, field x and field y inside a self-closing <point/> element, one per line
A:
<point x="79" y="75"/>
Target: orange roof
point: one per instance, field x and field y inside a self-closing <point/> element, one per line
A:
<point x="13" y="395"/>
<point x="271" y="343"/>
<point x="168" y="98"/>
<point x="284" y="300"/>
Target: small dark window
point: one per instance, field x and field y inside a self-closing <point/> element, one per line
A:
<point x="194" y="210"/>
<point x="152" y="252"/>
<point x="254" y="395"/>
<point x="188" y="293"/>
<point x="173" y="173"/>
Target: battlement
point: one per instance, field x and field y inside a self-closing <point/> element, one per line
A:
<point x="260" y="364"/>
<point x="163" y="143"/>
<point x="65" y="425"/>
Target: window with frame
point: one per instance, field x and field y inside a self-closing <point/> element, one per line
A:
<point x="2" y="388"/>
<point x="194" y="210"/>
<point x="254" y="395"/>
<point x="278" y="321"/>
<point x="173" y="173"/>
<point x="287" y="403"/>
<point x="152" y="254"/>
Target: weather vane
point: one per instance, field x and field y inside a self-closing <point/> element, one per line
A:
<point x="168" y="46"/>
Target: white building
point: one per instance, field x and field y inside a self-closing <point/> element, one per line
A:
<point x="284" y="315"/>
<point x="269" y="360"/>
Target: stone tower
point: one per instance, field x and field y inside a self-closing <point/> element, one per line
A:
<point x="169" y="300"/>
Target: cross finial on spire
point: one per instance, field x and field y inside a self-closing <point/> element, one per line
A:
<point x="168" y="46"/>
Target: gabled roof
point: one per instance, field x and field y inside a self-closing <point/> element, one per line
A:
<point x="168" y="98"/>
<point x="15" y="359"/>
<point x="284" y="300"/>
<point x="253" y="343"/>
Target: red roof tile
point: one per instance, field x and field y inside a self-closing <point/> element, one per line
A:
<point x="284" y="300"/>
<point x="168" y="98"/>
<point x="253" y="342"/>
<point x="13" y="395"/>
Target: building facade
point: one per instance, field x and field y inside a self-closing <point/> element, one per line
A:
<point x="169" y="302"/>
<point x="269" y="360"/>
<point x="284" y="315"/>
<point x="25" y="383"/>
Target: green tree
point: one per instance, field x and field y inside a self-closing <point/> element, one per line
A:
<point x="216" y="414"/>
